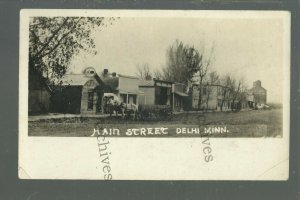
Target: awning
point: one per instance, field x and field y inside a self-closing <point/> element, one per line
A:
<point x="130" y="91"/>
<point x="181" y="94"/>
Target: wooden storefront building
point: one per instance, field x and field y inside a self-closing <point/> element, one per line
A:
<point x="84" y="93"/>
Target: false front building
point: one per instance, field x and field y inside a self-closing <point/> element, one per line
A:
<point x="160" y="92"/>
<point x="155" y="92"/>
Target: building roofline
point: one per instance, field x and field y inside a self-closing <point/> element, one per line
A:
<point x="158" y="80"/>
<point x="196" y="84"/>
<point x="149" y="86"/>
<point x="127" y="76"/>
<point x="258" y="87"/>
<point x="176" y="83"/>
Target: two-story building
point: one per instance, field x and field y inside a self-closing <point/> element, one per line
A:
<point x="218" y="97"/>
<point x="213" y="97"/>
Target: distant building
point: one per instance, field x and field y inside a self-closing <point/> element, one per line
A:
<point x="259" y="93"/>
<point x="214" y="97"/>
<point x="248" y="101"/>
<point x="218" y="97"/>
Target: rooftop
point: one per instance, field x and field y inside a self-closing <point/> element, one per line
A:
<point x="126" y="76"/>
<point x="146" y="83"/>
<point x="74" y="79"/>
<point x="81" y="79"/>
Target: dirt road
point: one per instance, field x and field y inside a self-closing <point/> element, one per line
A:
<point x="259" y="123"/>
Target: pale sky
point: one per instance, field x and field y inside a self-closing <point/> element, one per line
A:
<point x="251" y="49"/>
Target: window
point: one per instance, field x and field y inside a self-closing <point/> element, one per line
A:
<point x="169" y="91"/>
<point x="90" y="100"/>
<point x="132" y="98"/>
<point x="123" y="98"/>
<point x="219" y="91"/>
<point x="204" y="91"/>
<point x="219" y="102"/>
<point x="177" y="102"/>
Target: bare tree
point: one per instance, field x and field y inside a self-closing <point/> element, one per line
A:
<point x="233" y="92"/>
<point x="225" y="92"/>
<point x="238" y="90"/>
<point x="213" y="78"/>
<point x="144" y="72"/>
<point x="157" y="74"/>
<point x="202" y="71"/>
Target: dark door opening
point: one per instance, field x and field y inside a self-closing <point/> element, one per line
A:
<point x="90" y="100"/>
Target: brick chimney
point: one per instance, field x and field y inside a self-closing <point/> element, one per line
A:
<point x="105" y="72"/>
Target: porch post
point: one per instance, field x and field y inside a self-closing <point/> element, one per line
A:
<point x="173" y="97"/>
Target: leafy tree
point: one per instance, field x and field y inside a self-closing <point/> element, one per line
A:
<point x="54" y="41"/>
<point x="182" y="63"/>
<point x="187" y="65"/>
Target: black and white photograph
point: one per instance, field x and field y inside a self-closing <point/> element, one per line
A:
<point x="170" y="95"/>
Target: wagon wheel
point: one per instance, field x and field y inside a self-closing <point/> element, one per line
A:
<point x="111" y="110"/>
<point x="137" y="116"/>
<point x="134" y="115"/>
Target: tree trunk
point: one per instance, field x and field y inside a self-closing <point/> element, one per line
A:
<point x="200" y="98"/>
<point x="207" y="99"/>
<point x="222" y="103"/>
<point x="233" y="106"/>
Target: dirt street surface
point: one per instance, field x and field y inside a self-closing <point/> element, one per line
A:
<point x="256" y="123"/>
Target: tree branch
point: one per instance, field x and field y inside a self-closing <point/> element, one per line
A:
<point x="59" y="41"/>
<point x="51" y="38"/>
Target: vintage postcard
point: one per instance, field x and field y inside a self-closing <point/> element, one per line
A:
<point x="154" y="95"/>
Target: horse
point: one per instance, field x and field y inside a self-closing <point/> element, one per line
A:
<point x="119" y="106"/>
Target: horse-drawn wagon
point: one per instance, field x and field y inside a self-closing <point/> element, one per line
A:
<point x="141" y="112"/>
<point x="114" y="104"/>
